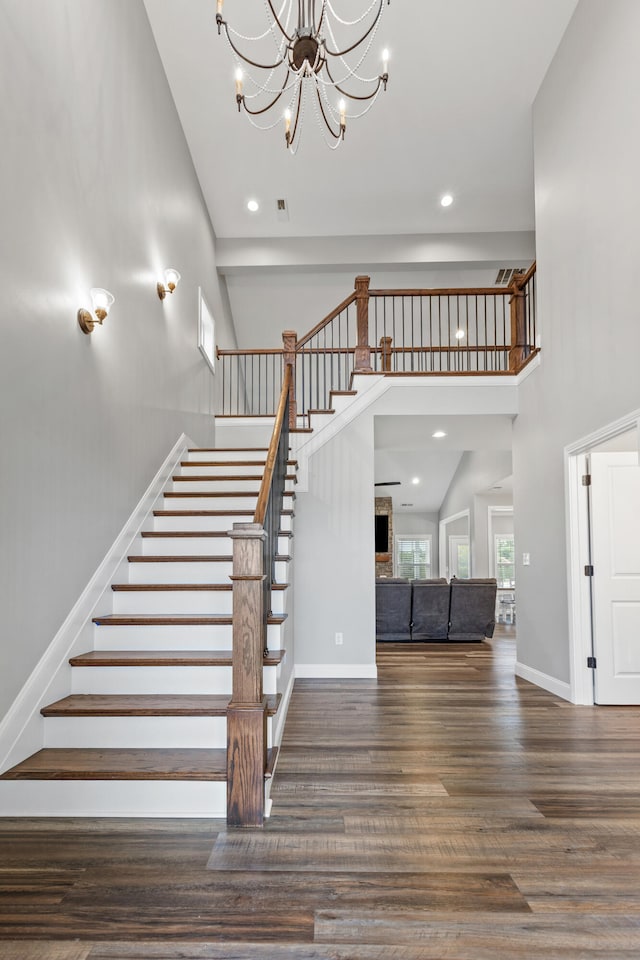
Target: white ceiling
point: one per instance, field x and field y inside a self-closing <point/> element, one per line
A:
<point x="456" y="118"/>
<point x="405" y="449"/>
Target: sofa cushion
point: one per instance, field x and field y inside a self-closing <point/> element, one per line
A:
<point x="473" y="606"/>
<point x="393" y="609"/>
<point x="430" y="610"/>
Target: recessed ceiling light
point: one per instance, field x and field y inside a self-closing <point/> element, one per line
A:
<point x="460" y="334"/>
<point x="416" y="480"/>
<point x="253" y="206"/>
<point x="438" y="434"/>
<point x="446" y="201"/>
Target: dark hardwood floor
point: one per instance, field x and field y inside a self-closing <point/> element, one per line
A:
<point x="447" y="810"/>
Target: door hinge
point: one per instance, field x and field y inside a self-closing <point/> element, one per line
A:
<point x="586" y="480"/>
<point x="588" y="570"/>
<point x="591" y="662"/>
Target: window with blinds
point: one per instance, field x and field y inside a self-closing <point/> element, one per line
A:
<point x="505" y="561"/>
<point x="413" y="557"/>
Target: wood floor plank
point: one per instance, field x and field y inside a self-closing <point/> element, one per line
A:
<point x="446" y="810"/>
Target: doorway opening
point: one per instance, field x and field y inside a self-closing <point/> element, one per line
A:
<point x="603" y="493"/>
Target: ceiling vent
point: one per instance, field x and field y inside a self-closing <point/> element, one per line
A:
<point x="282" y="210"/>
<point x="506" y="275"/>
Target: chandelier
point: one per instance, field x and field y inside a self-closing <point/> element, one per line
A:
<point x="306" y="53"/>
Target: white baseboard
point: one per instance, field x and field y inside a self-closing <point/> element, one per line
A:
<point x="336" y="671"/>
<point x="21" y="731"/>
<point x="552" y="684"/>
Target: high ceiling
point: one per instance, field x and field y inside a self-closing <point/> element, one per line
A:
<point x="456" y="118"/>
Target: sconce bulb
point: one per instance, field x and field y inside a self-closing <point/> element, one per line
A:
<point x="171" y="281"/>
<point x="101" y="301"/>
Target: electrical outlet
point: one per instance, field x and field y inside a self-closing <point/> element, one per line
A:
<point x="339" y="639"/>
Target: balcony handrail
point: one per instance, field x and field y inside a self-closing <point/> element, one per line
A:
<point x="326" y="321"/>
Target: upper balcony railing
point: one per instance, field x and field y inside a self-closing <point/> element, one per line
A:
<point x="450" y="332"/>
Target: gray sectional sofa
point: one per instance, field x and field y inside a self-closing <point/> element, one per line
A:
<point x="461" y="611"/>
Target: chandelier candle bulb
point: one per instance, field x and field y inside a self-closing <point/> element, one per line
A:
<point x="342" y="107"/>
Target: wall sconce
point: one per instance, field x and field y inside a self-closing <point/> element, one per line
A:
<point x="171" y="279"/>
<point x="101" y="301"/>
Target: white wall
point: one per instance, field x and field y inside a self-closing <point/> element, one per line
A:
<point x="97" y="188"/>
<point x="477" y="471"/>
<point x="587" y="157"/>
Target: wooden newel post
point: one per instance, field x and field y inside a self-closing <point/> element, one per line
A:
<point x="247" y="710"/>
<point x="289" y="340"/>
<point x="519" y="347"/>
<point x="385" y="354"/>
<point x="362" y="358"/>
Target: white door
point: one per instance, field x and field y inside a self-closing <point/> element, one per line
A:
<point x="615" y="525"/>
<point x="459" y="565"/>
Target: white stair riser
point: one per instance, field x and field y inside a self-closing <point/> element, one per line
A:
<point x="196" y="546"/>
<point x="182" y="602"/>
<point x="172" y="603"/>
<point x="190" y="572"/>
<point x="113" y="798"/>
<point x="225" y="523"/>
<point x="227" y="502"/>
<point x="175" y="637"/>
<point x="217" y="485"/>
<point x="227" y="456"/>
<point x="204" y="469"/>
<point x="141" y="732"/>
<point x="181" y="522"/>
<point x="132" y="680"/>
<point x="341" y="403"/>
<point x="193" y="572"/>
<point x="138" y="680"/>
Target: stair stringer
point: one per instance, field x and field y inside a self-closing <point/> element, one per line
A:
<point x="22" y="729"/>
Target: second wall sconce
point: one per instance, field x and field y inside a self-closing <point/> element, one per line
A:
<point x="101" y="301"/>
<point x="171" y="280"/>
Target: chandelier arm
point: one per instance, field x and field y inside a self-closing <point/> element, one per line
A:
<point x="277" y="20"/>
<point x="260" y="66"/>
<point x="341" y="53"/>
<point x="256" y="113"/>
<point x="345" y="93"/>
<point x="336" y="136"/>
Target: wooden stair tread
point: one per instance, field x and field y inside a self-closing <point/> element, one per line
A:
<point x="161" y="620"/>
<point x="164" y="658"/>
<point x="221" y="493"/>
<point x="329" y="410"/>
<point x="161" y="587"/>
<point x="127" y="764"/>
<point x="184" y="533"/>
<point x="121" y="764"/>
<point x="146" y="705"/>
<point x="191" y="558"/>
<point x="212" y="513"/>
<point x="226" y="463"/>
<point x="343" y="393"/>
<point x="228" y="449"/>
<point x="198" y="478"/>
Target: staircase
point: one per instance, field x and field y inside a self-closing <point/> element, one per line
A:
<point x="143" y="731"/>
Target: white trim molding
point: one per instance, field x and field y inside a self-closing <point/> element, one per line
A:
<point x="560" y="688"/>
<point x="21" y="731"/>
<point x="336" y="671"/>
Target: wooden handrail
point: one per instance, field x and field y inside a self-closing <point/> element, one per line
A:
<point x="453" y="292"/>
<point x="327" y="320"/>
<point x="527" y="276"/>
<point x="480" y="348"/>
<point x="267" y="479"/>
<point x="249" y="353"/>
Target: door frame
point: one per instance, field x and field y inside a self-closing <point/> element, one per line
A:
<point x="578" y="553"/>
<point x="443" y="541"/>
